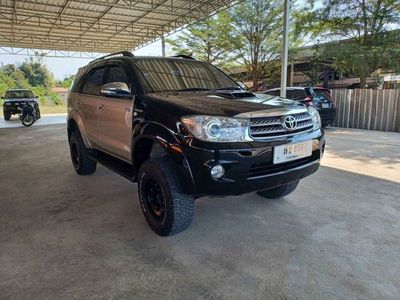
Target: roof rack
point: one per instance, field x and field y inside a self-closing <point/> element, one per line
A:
<point x="184" y="56"/>
<point x="123" y="53"/>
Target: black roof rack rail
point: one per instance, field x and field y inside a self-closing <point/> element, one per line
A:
<point x="123" y="53"/>
<point x="184" y="56"/>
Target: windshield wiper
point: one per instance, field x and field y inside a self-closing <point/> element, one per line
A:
<point x="196" y="89"/>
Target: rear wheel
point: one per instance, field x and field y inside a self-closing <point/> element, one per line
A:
<point x="81" y="161"/>
<point x="7" y="116"/>
<point x="167" y="210"/>
<point x="280" y="191"/>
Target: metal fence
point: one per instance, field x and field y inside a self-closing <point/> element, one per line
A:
<point x="367" y="109"/>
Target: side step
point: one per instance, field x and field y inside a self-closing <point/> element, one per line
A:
<point x="119" y="166"/>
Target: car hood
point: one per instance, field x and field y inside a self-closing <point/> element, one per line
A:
<point x="226" y="103"/>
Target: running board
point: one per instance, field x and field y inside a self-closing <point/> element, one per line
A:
<point x="121" y="167"/>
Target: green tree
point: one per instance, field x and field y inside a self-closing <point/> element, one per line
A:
<point x="66" y="82"/>
<point x="207" y="40"/>
<point x="257" y="37"/>
<point x="37" y="73"/>
<point x="367" y="23"/>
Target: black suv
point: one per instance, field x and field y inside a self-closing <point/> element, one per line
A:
<point x="14" y="101"/>
<point x="183" y="129"/>
<point x="318" y="97"/>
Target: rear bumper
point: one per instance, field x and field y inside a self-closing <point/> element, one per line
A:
<point x="248" y="170"/>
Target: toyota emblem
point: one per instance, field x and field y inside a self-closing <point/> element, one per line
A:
<point x="289" y="123"/>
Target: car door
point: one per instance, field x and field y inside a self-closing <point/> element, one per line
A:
<point x="115" y="118"/>
<point x="88" y="103"/>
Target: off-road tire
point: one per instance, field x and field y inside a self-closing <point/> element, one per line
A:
<point x="280" y="191"/>
<point x="178" y="207"/>
<point x="82" y="163"/>
<point x="7" y="116"/>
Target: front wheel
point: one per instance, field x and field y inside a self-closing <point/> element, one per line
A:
<point x="81" y="161"/>
<point x="28" y="120"/>
<point x="280" y="191"/>
<point x="7" y="116"/>
<point x="167" y="210"/>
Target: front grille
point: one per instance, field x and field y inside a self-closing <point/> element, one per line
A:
<point x="267" y="167"/>
<point x="272" y="126"/>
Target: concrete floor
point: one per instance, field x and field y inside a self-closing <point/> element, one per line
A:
<point x="63" y="236"/>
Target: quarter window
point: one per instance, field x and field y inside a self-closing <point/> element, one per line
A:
<point x="93" y="82"/>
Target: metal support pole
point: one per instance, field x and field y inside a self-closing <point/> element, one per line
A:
<point x="285" y="50"/>
<point x="291" y="73"/>
<point x="163" y="46"/>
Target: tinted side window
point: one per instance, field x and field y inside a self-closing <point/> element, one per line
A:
<point x="116" y="74"/>
<point x="274" y="93"/>
<point x="93" y="82"/>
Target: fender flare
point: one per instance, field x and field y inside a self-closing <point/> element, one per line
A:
<point x="168" y="142"/>
<point x="73" y="116"/>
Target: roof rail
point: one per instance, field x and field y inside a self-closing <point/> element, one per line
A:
<point x="184" y="56"/>
<point x="123" y="53"/>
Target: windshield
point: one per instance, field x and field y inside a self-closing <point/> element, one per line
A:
<point x="19" y="94"/>
<point x="167" y="75"/>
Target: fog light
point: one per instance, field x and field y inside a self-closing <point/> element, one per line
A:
<point x="217" y="171"/>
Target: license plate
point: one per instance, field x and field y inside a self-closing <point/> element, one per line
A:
<point x="325" y="105"/>
<point x="291" y="152"/>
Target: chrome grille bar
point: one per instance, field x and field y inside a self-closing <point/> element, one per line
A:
<point x="269" y="127"/>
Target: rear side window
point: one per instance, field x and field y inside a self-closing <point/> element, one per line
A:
<point x="116" y="74"/>
<point x="93" y="82"/>
<point x="296" y="94"/>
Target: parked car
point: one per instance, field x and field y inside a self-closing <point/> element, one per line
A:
<point x="183" y="129"/>
<point x="318" y="97"/>
<point x="14" y="101"/>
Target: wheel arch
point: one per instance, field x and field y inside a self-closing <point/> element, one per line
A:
<point x="156" y="140"/>
<point x="74" y="124"/>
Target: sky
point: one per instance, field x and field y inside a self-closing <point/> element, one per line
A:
<point x="63" y="67"/>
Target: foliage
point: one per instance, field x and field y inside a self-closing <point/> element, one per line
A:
<point x="66" y="82"/>
<point x="208" y="40"/>
<point x="37" y="73"/>
<point x="31" y="74"/>
<point x="257" y="36"/>
<point x="55" y="98"/>
<point x="366" y="23"/>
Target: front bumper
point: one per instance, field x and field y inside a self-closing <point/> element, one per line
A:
<point x="250" y="169"/>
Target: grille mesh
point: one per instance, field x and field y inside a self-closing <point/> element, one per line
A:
<point x="272" y="126"/>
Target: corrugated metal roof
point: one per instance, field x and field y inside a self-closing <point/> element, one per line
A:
<point x="99" y="25"/>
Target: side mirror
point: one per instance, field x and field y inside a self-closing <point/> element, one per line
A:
<point x="36" y="97"/>
<point x="115" y="90"/>
<point x="2" y="97"/>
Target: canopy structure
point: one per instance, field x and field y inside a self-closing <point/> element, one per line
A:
<point x="99" y="25"/>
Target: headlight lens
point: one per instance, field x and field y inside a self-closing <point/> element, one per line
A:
<point x="315" y="117"/>
<point x="218" y="129"/>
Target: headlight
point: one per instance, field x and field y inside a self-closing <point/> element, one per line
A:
<point x="315" y="117"/>
<point x="218" y="129"/>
